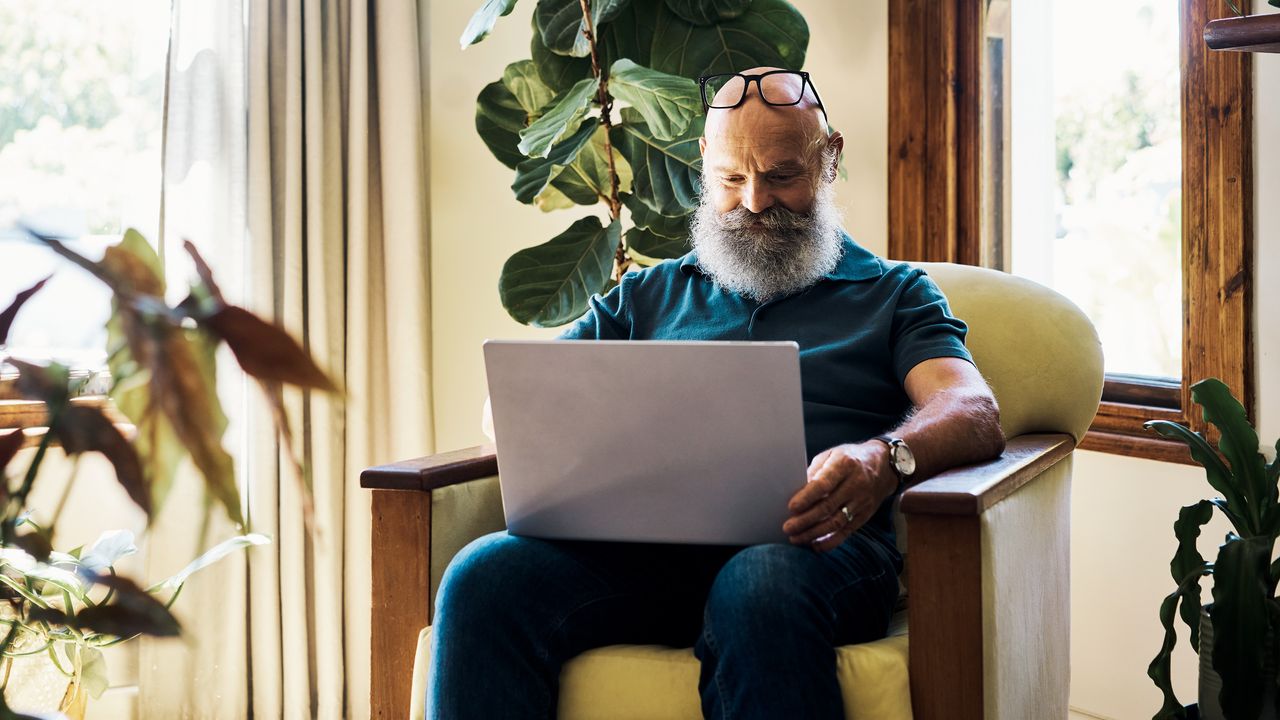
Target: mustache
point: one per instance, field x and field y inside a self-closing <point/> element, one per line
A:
<point x="775" y="218"/>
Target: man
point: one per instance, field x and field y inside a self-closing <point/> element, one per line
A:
<point x="880" y="356"/>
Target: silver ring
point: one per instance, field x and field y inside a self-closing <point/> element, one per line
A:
<point x="848" y="516"/>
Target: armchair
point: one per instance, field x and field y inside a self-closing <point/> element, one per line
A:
<point x="987" y="548"/>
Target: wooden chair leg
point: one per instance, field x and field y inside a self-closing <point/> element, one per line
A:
<point x="401" y="587"/>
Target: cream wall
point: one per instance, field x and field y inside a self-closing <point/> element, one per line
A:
<point x="476" y="223"/>
<point x="1122" y="508"/>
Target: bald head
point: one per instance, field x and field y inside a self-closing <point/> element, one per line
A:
<point x="805" y="120"/>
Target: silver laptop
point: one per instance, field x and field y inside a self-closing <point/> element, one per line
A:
<point x="647" y="441"/>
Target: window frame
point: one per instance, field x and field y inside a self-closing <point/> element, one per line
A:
<point x="935" y="199"/>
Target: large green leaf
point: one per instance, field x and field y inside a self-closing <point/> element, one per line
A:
<point x="507" y="107"/>
<point x="483" y="20"/>
<point x="564" y="113"/>
<point x="707" y="12"/>
<point x="1160" y="670"/>
<point x="1188" y="560"/>
<point x="586" y="180"/>
<point x="668" y="103"/>
<point x="561" y="26"/>
<point x="533" y="175"/>
<point x="1216" y="471"/>
<point x="629" y="35"/>
<point x="671" y="227"/>
<point x="1241" y="621"/>
<point x="558" y="72"/>
<point x="648" y="248"/>
<point x="549" y="284"/>
<point x="771" y="32"/>
<point x="1239" y="444"/>
<point x="666" y="172"/>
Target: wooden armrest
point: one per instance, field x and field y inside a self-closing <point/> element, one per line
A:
<point x="971" y="489"/>
<point x="433" y="471"/>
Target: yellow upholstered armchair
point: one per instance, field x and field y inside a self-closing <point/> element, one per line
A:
<point x="988" y="573"/>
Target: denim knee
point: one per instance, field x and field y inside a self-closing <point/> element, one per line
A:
<point x="759" y="588"/>
<point x="467" y="585"/>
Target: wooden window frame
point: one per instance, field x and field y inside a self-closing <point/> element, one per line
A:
<point x="935" y="185"/>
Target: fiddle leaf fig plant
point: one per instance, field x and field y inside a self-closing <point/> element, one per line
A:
<point x="1245" y="613"/>
<point x="552" y="119"/>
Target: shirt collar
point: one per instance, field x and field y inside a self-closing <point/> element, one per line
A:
<point x="856" y="263"/>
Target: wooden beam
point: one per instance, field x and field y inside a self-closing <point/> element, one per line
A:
<point x="971" y="489"/>
<point x="1255" y="33"/>
<point x="433" y="471"/>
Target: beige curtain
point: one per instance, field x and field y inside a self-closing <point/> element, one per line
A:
<point x="336" y="250"/>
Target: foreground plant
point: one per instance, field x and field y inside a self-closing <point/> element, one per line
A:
<point x="161" y="359"/>
<point x="1245" y="613"/>
<point x="551" y="119"/>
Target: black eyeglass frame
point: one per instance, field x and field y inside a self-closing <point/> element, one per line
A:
<point x="746" y="85"/>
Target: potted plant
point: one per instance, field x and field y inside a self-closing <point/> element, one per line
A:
<point x="551" y="119"/>
<point x="67" y="606"/>
<point x="1237" y="636"/>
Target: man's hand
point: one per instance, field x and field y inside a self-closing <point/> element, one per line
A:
<point x="858" y="477"/>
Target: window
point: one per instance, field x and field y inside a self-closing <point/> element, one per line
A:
<point x="1100" y="149"/>
<point x="81" y="103"/>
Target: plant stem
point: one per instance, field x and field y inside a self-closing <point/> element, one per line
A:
<point x="620" y="258"/>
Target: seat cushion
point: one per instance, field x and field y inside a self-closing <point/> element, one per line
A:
<point x="651" y="682"/>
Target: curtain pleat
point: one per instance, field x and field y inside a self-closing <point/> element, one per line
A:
<point x="336" y="252"/>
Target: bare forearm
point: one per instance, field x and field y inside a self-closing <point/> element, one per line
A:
<point x="955" y="427"/>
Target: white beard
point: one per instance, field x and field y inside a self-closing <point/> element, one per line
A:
<point x="790" y="253"/>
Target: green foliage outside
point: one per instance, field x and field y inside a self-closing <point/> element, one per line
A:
<point x="552" y="119"/>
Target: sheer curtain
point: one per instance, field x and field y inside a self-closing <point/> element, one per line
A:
<point x="331" y="182"/>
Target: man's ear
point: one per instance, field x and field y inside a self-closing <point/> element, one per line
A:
<point x="702" y="146"/>
<point x="836" y="142"/>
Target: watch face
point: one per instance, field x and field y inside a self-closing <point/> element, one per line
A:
<point x="903" y="460"/>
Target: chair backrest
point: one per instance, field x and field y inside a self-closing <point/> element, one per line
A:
<point x="1037" y="349"/>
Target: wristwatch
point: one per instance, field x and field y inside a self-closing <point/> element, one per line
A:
<point x="901" y="458"/>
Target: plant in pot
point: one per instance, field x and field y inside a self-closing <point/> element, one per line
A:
<point x="1237" y="636"/>
<point x="165" y="412"/>
<point x="552" y="120"/>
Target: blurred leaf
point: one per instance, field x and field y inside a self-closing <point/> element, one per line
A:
<point x="483" y="20"/>
<point x="107" y="550"/>
<point x="51" y="615"/>
<point x="549" y="284"/>
<point x="707" y="12"/>
<point x="668" y="103"/>
<point x="34" y="544"/>
<point x="771" y="32"/>
<point x="534" y="174"/>
<point x="266" y="351"/>
<point x="1241" y="623"/>
<point x="9" y="313"/>
<point x="132" y="611"/>
<point x="564" y="112"/>
<point x="642" y="216"/>
<point x="93" y="671"/>
<point x="649" y="249"/>
<point x="557" y="72"/>
<point x="209" y="557"/>
<point x="666" y="172"/>
<point x="586" y="180"/>
<point x="10" y="444"/>
<point x="47" y="383"/>
<point x="85" y="429"/>
<point x="133" y="264"/>
<point x="561" y="26"/>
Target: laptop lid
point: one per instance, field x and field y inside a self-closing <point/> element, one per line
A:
<point x="648" y="441"/>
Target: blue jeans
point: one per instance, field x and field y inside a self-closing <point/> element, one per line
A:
<point x="764" y="620"/>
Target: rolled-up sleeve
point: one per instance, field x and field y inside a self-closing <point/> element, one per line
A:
<point x="923" y="326"/>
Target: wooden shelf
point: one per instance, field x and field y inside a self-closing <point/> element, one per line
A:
<point x="1254" y="33"/>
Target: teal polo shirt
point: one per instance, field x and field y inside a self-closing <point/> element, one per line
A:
<point x="860" y="328"/>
